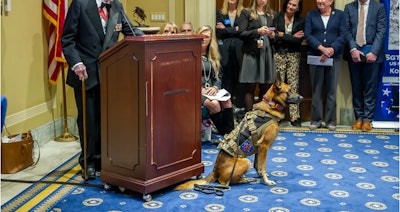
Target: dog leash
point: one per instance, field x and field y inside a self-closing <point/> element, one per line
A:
<point x="217" y="189"/>
<point x="234" y="165"/>
<point x="211" y="189"/>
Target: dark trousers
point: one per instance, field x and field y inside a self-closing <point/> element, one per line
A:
<point x="364" y="84"/>
<point x="324" y="78"/>
<point x="93" y="144"/>
<point x="230" y="79"/>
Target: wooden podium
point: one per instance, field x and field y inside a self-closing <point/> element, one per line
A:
<point x="151" y="112"/>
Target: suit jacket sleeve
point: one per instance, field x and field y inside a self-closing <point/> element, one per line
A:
<point x="247" y="28"/>
<point x="71" y="26"/>
<point x="312" y="41"/>
<point x="228" y="31"/>
<point x="298" y="25"/>
<point x="339" y="38"/>
<point x="376" y="30"/>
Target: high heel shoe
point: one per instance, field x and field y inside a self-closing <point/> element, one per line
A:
<point x="296" y="123"/>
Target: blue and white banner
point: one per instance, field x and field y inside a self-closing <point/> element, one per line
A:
<point x="387" y="105"/>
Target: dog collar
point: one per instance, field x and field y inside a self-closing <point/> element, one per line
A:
<point x="272" y="103"/>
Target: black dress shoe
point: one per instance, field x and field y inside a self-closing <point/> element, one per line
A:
<point x="91" y="173"/>
<point x="296" y="123"/>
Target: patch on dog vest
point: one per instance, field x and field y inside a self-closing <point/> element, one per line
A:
<point x="247" y="147"/>
<point x="242" y="139"/>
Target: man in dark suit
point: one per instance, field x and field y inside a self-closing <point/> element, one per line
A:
<point x="91" y="26"/>
<point x="366" y="44"/>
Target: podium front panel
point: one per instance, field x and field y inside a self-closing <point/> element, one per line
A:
<point x="151" y="113"/>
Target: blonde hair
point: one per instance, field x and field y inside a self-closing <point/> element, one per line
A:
<point x="169" y="26"/>
<point x="225" y="7"/>
<point x="212" y="49"/>
<point x="253" y="10"/>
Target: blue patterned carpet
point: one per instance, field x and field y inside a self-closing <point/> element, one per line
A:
<point x="314" y="171"/>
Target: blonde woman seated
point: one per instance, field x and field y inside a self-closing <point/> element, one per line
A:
<point x="169" y="28"/>
<point x="220" y="109"/>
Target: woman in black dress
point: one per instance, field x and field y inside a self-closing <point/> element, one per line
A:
<point x="258" y="67"/>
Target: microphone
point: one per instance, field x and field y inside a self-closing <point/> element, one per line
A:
<point x="127" y="21"/>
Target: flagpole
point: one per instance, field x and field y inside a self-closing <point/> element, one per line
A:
<point x="65" y="136"/>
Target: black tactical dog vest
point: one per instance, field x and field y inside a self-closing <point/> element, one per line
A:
<point x="243" y="138"/>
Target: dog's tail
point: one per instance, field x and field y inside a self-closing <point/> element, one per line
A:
<point x="207" y="180"/>
<point x="190" y="184"/>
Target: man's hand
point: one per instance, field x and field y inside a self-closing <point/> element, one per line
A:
<point x="299" y="34"/>
<point x="356" y="56"/>
<point x="220" y="25"/>
<point x="80" y="70"/>
<point x="370" y="58"/>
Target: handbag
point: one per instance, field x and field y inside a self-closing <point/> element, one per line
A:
<point x="17" y="155"/>
<point x="206" y="130"/>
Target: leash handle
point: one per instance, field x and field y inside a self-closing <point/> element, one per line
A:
<point x="211" y="189"/>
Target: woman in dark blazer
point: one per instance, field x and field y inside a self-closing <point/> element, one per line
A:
<point x="258" y="67"/>
<point x="230" y="47"/>
<point x="289" y="35"/>
<point x="325" y="34"/>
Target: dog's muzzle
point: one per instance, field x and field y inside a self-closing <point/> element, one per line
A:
<point x="294" y="98"/>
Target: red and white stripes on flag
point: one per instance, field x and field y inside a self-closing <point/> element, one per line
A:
<point x="55" y="12"/>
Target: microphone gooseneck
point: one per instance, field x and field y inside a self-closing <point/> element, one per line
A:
<point x="127" y="21"/>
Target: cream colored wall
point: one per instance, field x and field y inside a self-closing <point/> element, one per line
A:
<point x="32" y="101"/>
<point x="343" y="95"/>
<point x="200" y="12"/>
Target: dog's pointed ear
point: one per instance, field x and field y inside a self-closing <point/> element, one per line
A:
<point x="278" y="80"/>
<point x="278" y="77"/>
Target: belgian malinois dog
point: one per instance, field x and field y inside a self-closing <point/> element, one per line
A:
<point x="255" y="134"/>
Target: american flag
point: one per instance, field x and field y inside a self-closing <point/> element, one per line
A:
<point x="55" y="11"/>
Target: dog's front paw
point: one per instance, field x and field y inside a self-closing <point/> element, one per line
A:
<point x="269" y="182"/>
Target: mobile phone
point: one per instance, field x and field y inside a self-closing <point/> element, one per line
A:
<point x="363" y="58"/>
<point x="271" y="28"/>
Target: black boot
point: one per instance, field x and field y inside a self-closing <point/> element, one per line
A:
<point x="227" y="120"/>
<point x="218" y="122"/>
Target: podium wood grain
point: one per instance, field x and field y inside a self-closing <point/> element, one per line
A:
<point x="151" y="112"/>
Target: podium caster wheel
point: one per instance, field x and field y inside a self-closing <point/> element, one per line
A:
<point x="147" y="197"/>
<point x="106" y="186"/>
<point x="122" y="189"/>
<point x="198" y="177"/>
